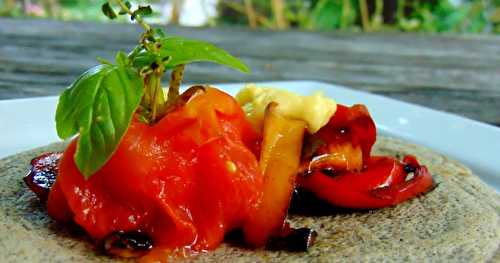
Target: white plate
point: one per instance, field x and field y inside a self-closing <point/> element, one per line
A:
<point x="28" y="123"/>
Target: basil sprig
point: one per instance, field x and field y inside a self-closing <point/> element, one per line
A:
<point x="100" y="104"/>
<point x="181" y="51"/>
<point x="185" y="51"/>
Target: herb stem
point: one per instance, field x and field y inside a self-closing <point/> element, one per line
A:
<point x="147" y="95"/>
<point x="153" y="100"/>
<point x="158" y="98"/>
<point x="154" y="85"/>
<point x="137" y="17"/>
<point x="175" y="83"/>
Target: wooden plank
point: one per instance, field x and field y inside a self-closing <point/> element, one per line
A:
<point x="459" y="74"/>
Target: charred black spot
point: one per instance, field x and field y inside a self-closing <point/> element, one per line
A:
<point x="408" y="168"/>
<point x="297" y="240"/>
<point x="307" y="204"/>
<point x="42" y="174"/>
<point x="127" y="244"/>
<point x="235" y="238"/>
<point x="328" y="171"/>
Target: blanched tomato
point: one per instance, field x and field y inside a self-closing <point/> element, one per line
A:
<point x="184" y="181"/>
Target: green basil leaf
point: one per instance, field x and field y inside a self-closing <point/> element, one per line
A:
<point x="108" y="11"/>
<point x="184" y="51"/>
<point x="99" y="106"/>
<point x="103" y="61"/>
<point x="122" y="59"/>
<point x="158" y="32"/>
<point x="143" y="58"/>
<point x="144" y="11"/>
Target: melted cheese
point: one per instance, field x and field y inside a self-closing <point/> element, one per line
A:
<point x="315" y="109"/>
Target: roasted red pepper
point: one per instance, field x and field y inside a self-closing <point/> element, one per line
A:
<point x="349" y="124"/>
<point x="279" y="161"/>
<point x="334" y="170"/>
<point x="184" y="181"/>
<point x="193" y="176"/>
<point x="382" y="183"/>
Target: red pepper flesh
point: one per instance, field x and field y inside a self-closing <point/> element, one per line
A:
<point x="184" y="181"/>
<point x="378" y="182"/>
<point x="382" y="184"/>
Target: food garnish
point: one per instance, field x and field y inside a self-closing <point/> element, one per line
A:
<point x="101" y="103"/>
<point x="148" y="173"/>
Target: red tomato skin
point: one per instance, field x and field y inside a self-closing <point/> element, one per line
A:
<point x="171" y="180"/>
<point x="57" y="206"/>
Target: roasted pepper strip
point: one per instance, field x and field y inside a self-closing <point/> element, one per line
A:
<point x="382" y="183"/>
<point x="279" y="161"/>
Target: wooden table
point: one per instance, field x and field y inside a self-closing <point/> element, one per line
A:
<point x="459" y="74"/>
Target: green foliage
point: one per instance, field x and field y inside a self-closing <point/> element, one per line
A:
<point x="175" y="51"/>
<point x="326" y="15"/>
<point x="99" y="107"/>
<point x="141" y="11"/>
<point x="123" y="11"/>
<point x="472" y="16"/>
<point x="108" y="11"/>
<point x="100" y="104"/>
<point x="185" y="51"/>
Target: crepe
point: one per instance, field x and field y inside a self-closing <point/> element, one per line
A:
<point x="457" y="221"/>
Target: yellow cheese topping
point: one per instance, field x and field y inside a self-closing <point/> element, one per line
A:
<point x="316" y="109"/>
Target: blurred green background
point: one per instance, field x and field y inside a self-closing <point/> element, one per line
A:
<point x="435" y="16"/>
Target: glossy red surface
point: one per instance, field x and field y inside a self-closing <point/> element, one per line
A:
<point x="184" y="181"/>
